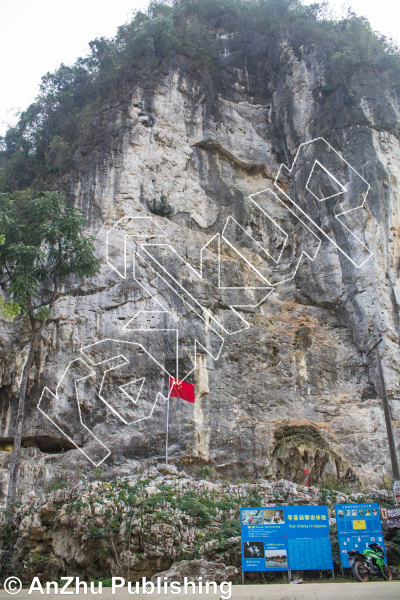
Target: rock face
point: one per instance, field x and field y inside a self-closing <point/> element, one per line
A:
<point x="292" y="388"/>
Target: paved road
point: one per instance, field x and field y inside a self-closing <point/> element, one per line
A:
<point x="376" y="590"/>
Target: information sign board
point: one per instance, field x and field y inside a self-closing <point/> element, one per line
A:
<point x="276" y="538"/>
<point x="309" y="542"/>
<point x="264" y="539"/>
<point x="358" y="525"/>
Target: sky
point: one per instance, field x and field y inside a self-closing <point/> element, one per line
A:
<point x="36" y="36"/>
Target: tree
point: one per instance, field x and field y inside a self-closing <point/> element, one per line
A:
<point x="41" y="246"/>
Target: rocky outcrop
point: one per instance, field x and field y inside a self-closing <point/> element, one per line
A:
<point x="197" y="570"/>
<point x="295" y="387"/>
<point x="162" y="523"/>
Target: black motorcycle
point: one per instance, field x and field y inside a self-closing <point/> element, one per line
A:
<point x="369" y="563"/>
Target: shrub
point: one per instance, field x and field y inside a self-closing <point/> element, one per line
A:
<point x="57" y="485"/>
<point x="201" y="509"/>
<point x="95" y="533"/>
<point x="98" y="471"/>
<point x="160" y="207"/>
<point x="203" y="473"/>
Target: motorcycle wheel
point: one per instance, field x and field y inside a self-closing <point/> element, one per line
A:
<point x="387" y="573"/>
<point x="360" y="572"/>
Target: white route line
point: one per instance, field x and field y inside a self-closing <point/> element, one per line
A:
<point x="85" y="349"/>
<point x="147" y="227"/>
<point x="134" y="400"/>
<point x="196" y="344"/>
<point x="304" y="252"/>
<point x="56" y="397"/>
<point x="255" y="241"/>
<point x="344" y="188"/>
<point x="185" y="295"/>
<point x="116" y="228"/>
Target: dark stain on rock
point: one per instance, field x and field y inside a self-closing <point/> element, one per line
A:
<point x="302" y="338"/>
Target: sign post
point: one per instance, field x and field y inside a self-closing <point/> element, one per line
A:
<point x="386" y="410"/>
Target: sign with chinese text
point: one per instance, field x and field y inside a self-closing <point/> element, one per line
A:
<point x="277" y="538"/>
<point x="309" y="542"/>
<point x="358" y="525"/>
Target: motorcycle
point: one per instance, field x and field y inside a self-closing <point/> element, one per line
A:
<point x="369" y="563"/>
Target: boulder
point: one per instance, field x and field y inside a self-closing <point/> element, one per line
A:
<point x="194" y="569"/>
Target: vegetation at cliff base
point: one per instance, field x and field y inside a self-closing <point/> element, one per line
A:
<point x="52" y="132"/>
<point x="125" y="524"/>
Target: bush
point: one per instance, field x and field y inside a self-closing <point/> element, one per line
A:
<point x="98" y="471"/>
<point x="95" y="533"/>
<point x="57" y="485"/>
<point x="392" y="544"/>
<point x="203" y="473"/>
<point x="201" y="509"/>
<point x="160" y="207"/>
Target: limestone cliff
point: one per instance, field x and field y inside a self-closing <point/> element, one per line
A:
<point x="293" y="388"/>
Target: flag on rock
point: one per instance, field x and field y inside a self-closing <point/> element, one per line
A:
<point x="181" y="389"/>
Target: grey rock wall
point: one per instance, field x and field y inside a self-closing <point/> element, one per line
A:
<point x="293" y="388"/>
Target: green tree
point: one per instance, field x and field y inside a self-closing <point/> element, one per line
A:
<point x="42" y="245"/>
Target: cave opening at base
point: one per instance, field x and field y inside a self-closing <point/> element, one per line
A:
<point x="45" y="443"/>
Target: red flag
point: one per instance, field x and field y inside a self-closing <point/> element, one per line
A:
<point x="181" y="389"/>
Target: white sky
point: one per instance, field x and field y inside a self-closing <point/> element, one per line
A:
<point x="37" y="35"/>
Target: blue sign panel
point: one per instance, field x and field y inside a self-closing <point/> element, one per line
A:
<point x="264" y="544"/>
<point x="358" y="525"/>
<point x="277" y="538"/>
<point x="309" y="542"/>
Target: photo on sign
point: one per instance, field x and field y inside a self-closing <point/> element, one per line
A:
<point x="252" y="517"/>
<point x="348" y="513"/>
<point x="361" y="512"/>
<point x="275" y="558"/>
<point x="340" y="513"/>
<point x="274" y="516"/>
<point x="367" y="512"/>
<point x="374" y="512"/>
<point x="354" y="513"/>
<point x="253" y="549"/>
